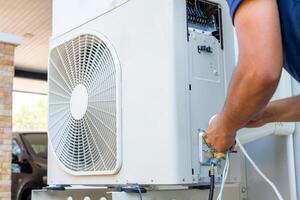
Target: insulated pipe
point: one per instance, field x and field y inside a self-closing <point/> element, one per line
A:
<point x="247" y="135"/>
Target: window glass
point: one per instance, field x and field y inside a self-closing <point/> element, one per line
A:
<point x="16" y="150"/>
<point x="29" y="112"/>
<point x="36" y="144"/>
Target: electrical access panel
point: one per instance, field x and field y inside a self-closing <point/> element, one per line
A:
<point x="209" y="63"/>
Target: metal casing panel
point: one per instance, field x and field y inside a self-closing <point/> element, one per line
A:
<point x="209" y="75"/>
<point x="150" y="39"/>
<point x="296" y="91"/>
<point x="70" y="14"/>
<point x="270" y="153"/>
<point x="154" y="145"/>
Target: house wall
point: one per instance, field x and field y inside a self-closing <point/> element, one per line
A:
<point x="6" y="84"/>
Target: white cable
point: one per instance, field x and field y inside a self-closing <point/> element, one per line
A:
<point x="279" y="196"/>
<point x="227" y="171"/>
<point x="220" y="196"/>
<point x="140" y="192"/>
<point x="225" y="177"/>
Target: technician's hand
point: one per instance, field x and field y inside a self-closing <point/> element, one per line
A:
<point x="218" y="136"/>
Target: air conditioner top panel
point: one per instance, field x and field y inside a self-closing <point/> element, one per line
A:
<point x="78" y="12"/>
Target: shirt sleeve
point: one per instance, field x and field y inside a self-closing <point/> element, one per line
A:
<point x="233" y="5"/>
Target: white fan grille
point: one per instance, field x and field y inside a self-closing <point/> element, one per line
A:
<point x="87" y="143"/>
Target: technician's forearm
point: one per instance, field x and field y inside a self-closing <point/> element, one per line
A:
<point x="283" y="110"/>
<point x="260" y="62"/>
<point x="248" y="95"/>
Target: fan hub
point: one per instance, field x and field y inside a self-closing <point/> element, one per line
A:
<point x="79" y="101"/>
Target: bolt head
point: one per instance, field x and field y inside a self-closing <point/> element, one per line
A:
<point x="244" y="189"/>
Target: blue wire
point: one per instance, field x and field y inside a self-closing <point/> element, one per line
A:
<point x="224" y="173"/>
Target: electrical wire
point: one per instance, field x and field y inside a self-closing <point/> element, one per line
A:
<point x="140" y="192"/>
<point x="226" y="175"/>
<point x="225" y="171"/>
<point x="279" y="196"/>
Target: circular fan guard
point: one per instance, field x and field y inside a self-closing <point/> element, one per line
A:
<point x="83" y="110"/>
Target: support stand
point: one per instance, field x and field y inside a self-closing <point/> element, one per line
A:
<point x="232" y="192"/>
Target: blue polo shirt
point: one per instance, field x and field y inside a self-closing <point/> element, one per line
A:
<point x="289" y="11"/>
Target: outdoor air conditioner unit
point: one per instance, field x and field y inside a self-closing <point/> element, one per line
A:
<point x="131" y="82"/>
